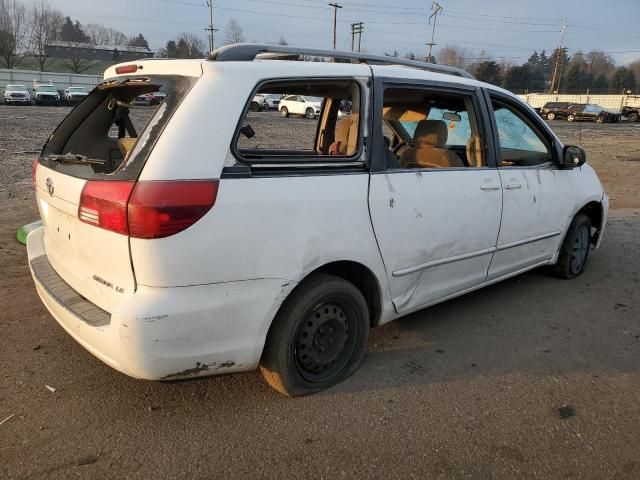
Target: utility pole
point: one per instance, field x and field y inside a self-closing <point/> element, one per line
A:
<point x="210" y="28"/>
<point x="437" y="9"/>
<point x="356" y="29"/>
<point x="559" y="52"/>
<point x="335" y="20"/>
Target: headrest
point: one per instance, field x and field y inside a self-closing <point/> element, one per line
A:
<point x="431" y="132"/>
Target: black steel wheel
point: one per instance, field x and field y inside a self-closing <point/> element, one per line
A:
<point x="254" y="107"/>
<point x="574" y="251"/>
<point x="318" y="337"/>
<point x="632" y="117"/>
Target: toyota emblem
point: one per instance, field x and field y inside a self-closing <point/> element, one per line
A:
<point x="50" y="186"/>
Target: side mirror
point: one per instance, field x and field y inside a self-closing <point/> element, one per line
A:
<point x="573" y="156"/>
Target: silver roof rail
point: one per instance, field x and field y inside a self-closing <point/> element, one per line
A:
<point x="247" y="52"/>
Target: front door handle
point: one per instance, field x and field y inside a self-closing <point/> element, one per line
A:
<point x="490" y="186"/>
<point x="513" y="186"/>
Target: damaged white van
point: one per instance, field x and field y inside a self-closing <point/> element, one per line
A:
<point x="200" y="237"/>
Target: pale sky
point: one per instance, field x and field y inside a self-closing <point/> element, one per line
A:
<point x="509" y="29"/>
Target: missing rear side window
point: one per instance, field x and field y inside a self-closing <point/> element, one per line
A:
<point x="301" y="121"/>
<point x="112" y="131"/>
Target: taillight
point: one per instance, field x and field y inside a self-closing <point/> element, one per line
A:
<point x="151" y="209"/>
<point x="104" y="204"/>
<point x="34" y="171"/>
<point x="160" y="209"/>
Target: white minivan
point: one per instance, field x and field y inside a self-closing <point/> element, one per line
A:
<point x="176" y="243"/>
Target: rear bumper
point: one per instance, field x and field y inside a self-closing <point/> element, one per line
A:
<point x="171" y="333"/>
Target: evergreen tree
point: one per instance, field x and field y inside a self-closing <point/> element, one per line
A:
<point x="488" y="71"/>
<point x="600" y="83"/>
<point x="138" y="41"/>
<point x="623" y="79"/>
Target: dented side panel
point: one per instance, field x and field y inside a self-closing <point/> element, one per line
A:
<point x="436" y="230"/>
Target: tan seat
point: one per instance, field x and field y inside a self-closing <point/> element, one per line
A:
<point x="428" y="148"/>
<point x="125" y="144"/>
<point x="346" y="139"/>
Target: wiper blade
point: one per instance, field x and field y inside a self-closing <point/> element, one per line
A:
<point x="76" y="158"/>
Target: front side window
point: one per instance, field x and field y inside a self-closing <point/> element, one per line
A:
<point x="310" y="122"/>
<point x="521" y="144"/>
<point x="426" y="129"/>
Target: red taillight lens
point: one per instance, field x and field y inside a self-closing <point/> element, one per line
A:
<point x="126" y="69"/>
<point x="34" y="171"/>
<point x="104" y="204"/>
<point x="160" y="209"/>
<point x="152" y="209"/>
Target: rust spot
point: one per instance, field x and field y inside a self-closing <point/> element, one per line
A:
<point x="228" y="364"/>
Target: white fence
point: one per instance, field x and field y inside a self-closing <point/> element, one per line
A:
<point x="29" y="78"/>
<point x="611" y="102"/>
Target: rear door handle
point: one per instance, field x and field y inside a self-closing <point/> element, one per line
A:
<point x="513" y="186"/>
<point x="490" y="186"/>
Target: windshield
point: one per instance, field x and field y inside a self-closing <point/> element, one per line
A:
<point x="77" y="89"/>
<point x="46" y="88"/>
<point x="15" y="88"/>
<point x="314" y="99"/>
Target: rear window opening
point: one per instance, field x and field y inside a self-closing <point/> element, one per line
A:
<point x="112" y="131"/>
<point x="311" y="121"/>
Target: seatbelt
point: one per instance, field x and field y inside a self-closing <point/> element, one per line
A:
<point x="124" y="123"/>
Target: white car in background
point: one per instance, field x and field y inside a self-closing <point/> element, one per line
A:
<point x="272" y="101"/>
<point x="300" y="105"/>
<point x="74" y="95"/>
<point x="17" y="94"/>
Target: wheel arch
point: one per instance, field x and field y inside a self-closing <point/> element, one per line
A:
<point x="595" y="211"/>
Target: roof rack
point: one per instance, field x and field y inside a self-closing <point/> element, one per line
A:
<point x="246" y="52"/>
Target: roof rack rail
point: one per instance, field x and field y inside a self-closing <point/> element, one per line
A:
<point x="250" y="51"/>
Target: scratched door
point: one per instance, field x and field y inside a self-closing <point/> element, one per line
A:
<point x="437" y="230"/>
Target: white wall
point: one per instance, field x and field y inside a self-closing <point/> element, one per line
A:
<point x="60" y="80"/>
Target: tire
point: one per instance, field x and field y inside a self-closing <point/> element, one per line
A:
<point x="551" y="116"/>
<point x="632" y="117"/>
<point x="571" y="118"/>
<point x="310" y="114"/>
<point x="318" y="337"/>
<point x="254" y="107"/>
<point x="284" y="112"/>
<point x="574" y="251"/>
<point x="600" y="119"/>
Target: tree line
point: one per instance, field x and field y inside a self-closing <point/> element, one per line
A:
<point x="594" y="71"/>
<point x="25" y="31"/>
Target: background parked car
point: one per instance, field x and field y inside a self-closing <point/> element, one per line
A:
<point x="17" y="94"/>
<point x="590" y="112"/>
<point x="154" y="98"/>
<point x="554" y="110"/>
<point x="46" y="95"/>
<point x="272" y="101"/>
<point x="632" y="113"/>
<point x="300" y="105"/>
<point x="258" y="103"/>
<point x="74" y="95"/>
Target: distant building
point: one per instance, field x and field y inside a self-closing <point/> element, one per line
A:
<point x="103" y="53"/>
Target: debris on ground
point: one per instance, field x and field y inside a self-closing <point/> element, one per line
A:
<point x="8" y="418"/>
<point x="51" y="389"/>
<point x="566" y="411"/>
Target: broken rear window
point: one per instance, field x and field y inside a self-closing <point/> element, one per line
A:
<point x="110" y="134"/>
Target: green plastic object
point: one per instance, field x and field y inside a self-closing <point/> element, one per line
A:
<point x="26" y="230"/>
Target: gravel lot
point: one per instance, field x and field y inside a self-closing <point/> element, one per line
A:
<point x="532" y="378"/>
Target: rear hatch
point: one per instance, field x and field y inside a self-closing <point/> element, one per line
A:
<point x="85" y="175"/>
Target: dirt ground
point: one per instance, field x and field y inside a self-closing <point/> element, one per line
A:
<point x="532" y="378"/>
